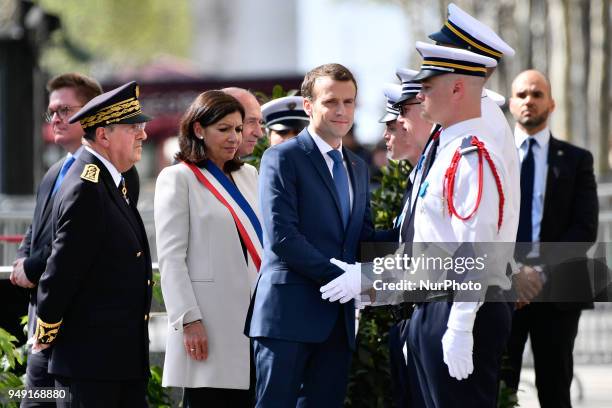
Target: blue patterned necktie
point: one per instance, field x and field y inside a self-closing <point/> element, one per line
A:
<point x="524" y="233"/>
<point x="342" y="185"/>
<point x="60" y="177"/>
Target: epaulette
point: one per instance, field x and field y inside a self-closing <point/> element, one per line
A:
<point x="467" y="146"/>
<point x="46" y="332"/>
<point x="91" y="173"/>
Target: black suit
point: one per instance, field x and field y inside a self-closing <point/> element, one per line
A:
<point x="36" y="248"/>
<point x="97" y="283"/>
<point x="570" y="215"/>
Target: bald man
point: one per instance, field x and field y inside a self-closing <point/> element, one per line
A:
<point x="252" y="129"/>
<point x="558" y="204"/>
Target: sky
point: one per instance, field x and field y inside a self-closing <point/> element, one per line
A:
<point x="371" y="39"/>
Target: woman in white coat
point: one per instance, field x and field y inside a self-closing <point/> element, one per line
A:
<point x="209" y="250"/>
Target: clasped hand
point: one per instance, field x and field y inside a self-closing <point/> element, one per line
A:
<point x="346" y="286"/>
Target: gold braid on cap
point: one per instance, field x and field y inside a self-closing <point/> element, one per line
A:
<point x="46" y="332"/>
<point x="113" y="113"/>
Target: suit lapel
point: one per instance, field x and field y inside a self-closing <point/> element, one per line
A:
<point x="554" y="159"/>
<point x="120" y="202"/>
<point x="44" y="192"/>
<point x="315" y="156"/>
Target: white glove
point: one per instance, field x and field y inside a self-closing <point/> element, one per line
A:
<point x="457" y="348"/>
<point x="346" y="286"/>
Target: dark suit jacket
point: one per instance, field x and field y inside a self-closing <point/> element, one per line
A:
<point x="571" y="211"/>
<point x="97" y="281"/>
<point x="36" y="243"/>
<point x="302" y="230"/>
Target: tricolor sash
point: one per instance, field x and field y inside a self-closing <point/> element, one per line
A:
<point x="228" y="194"/>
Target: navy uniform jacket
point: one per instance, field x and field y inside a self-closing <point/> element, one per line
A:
<point x="302" y="230"/>
<point x="95" y="294"/>
<point x="36" y="243"/>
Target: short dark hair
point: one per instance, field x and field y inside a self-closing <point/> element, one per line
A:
<point x="86" y="88"/>
<point x="336" y="72"/>
<point x="207" y="109"/>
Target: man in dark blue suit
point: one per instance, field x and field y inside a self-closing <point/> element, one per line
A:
<point x="315" y="206"/>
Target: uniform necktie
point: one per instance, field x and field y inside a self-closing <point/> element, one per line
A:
<point x="123" y="189"/>
<point x="407" y="232"/>
<point x="524" y="233"/>
<point x="342" y="186"/>
<point x="60" y="177"/>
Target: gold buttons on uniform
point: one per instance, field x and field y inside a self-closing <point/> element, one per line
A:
<point x="138" y="254"/>
<point x="146" y="317"/>
<point x="148" y="283"/>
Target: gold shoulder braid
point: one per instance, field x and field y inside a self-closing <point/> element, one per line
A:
<point x="46" y="332"/>
<point x="91" y="173"/>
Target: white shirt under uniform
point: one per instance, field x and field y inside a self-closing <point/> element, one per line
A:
<point x="433" y="222"/>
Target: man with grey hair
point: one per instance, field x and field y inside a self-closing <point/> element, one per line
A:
<point x="252" y="129"/>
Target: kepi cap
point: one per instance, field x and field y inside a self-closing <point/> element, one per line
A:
<point x="118" y="106"/>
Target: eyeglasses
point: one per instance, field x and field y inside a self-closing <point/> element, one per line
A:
<point x="402" y="108"/>
<point x="63" y="112"/>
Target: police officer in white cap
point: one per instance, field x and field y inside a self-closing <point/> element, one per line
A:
<point x="463" y="171"/>
<point x="284" y="118"/>
<point x="464" y="31"/>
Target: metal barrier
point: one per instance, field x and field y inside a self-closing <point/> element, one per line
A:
<point x="594" y="340"/>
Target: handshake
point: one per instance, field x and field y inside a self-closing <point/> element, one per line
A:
<point x="457" y="345"/>
<point x="346" y="286"/>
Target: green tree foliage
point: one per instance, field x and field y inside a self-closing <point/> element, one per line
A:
<point x="115" y="34"/>
<point x="11" y="357"/>
<point x="156" y="395"/>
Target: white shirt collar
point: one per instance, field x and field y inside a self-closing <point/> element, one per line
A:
<point x="542" y="137"/>
<point x="323" y="146"/>
<point x="109" y="166"/>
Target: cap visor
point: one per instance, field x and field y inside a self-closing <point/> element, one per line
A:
<point x="427" y="73"/>
<point x="404" y="98"/>
<point x="284" y="124"/>
<point x="140" y="118"/>
<point x="388" y="117"/>
<point x="442" y="38"/>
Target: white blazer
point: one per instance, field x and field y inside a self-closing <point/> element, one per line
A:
<point x="204" y="275"/>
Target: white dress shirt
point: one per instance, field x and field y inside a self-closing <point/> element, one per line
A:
<point x="324" y="147"/>
<point x="433" y="223"/>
